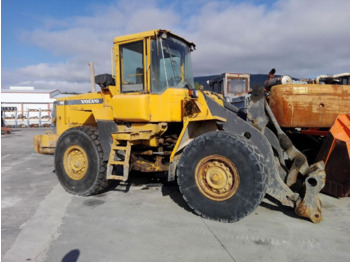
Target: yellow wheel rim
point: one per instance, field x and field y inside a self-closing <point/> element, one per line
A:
<point x="217" y="177"/>
<point x="75" y="162"/>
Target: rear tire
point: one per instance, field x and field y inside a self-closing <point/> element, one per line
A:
<point x="222" y="176"/>
<point x="79" y="161"/>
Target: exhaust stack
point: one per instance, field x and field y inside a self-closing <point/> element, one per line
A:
<point x="92" y="77"/>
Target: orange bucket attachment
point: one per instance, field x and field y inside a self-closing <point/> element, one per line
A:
<point x="341" y="131"/>
<point x="336" y="154"/>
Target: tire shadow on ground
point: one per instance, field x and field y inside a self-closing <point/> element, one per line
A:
<point x="147" y="181"/>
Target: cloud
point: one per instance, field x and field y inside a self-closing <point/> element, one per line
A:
<point x="91" y="37"/>
<point x="299" y="38"/>
<point x="302" y="38"/>
<point x="79" y="40"/>
<point x="66" y="77"/>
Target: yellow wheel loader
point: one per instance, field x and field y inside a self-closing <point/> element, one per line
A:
<point x="148" y="117"/>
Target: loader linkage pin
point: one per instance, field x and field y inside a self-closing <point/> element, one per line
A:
<point x="310" y="205"/>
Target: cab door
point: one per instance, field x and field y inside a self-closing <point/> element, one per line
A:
<point x="132" y="102"/>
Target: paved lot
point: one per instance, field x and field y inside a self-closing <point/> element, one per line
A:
<point x="146" y="221"/>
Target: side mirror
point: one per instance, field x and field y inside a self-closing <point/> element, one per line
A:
<point x="104" y="80"/>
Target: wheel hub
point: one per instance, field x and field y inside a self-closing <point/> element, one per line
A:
<point x="217" y="177"/>
<point x="75" y="162"/>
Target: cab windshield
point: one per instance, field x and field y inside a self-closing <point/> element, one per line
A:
<point x="170" y="64"/>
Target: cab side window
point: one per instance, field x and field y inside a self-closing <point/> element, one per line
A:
<point x="131" y="67"/>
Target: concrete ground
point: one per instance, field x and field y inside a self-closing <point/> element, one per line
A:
<point x="146" y="221"/>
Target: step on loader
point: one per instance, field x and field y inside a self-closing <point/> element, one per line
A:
<point x="148" y="117"/>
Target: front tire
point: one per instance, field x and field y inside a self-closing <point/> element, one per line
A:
<point x="79" y="162"/>
<point x="222" y="176"/>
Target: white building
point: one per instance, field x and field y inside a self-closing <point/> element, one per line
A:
<point x="27" y="107"/>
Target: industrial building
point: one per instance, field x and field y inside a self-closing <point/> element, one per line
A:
<point x="27" y="106"/>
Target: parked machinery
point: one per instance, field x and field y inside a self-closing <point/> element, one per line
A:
<point x="148" y="117"/>
<point x="315" y="114"/>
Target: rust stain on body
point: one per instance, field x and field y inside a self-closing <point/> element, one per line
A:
<point x="298" y="105"/>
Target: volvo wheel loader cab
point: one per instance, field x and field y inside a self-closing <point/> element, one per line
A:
<point x="148" y="117"/>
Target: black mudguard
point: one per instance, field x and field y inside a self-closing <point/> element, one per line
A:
<point x="105" y="129"/>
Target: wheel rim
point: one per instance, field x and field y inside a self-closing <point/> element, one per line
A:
<point x="217" y="177"/>
<point x="75" y="162"/>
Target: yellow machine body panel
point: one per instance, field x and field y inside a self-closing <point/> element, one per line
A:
<point x="165" y="107"/>
<point x="131" y="107"/>
<point x="78" y="110"/>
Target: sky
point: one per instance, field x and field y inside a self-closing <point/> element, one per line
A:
<point x="49" y="43"/>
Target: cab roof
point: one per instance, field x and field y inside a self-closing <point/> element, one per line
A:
<point x="156" y="32"/>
